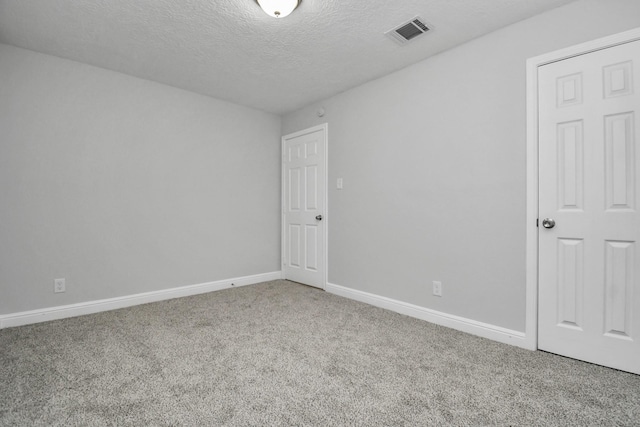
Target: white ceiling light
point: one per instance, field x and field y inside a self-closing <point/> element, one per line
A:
<point x="278" y="8"/>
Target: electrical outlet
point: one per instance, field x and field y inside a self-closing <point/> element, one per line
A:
<point x="437" y="288"/>
<point x="59" y="286"/>
<point x="339" y="184"/>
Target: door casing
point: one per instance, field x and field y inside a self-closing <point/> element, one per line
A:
<point x="531" y="322"/>
<point x="325" y="219"/>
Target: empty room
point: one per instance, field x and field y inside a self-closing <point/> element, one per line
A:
<point x="313" y="212"/>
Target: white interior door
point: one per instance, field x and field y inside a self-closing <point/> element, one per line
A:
<point x="304" y="205"/>
<point x="589" y="262"/>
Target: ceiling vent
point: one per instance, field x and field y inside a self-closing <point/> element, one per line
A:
<point x="408" y="31"/>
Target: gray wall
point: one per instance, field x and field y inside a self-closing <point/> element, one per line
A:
<point x="433" y="161"/>
<point x="121" y="185"/>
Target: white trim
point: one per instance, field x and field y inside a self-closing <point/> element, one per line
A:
<point x="97" y="306"/>
<point x="485" y="330"/>
<point x="325" y="219"/>
<point x="531" y="325"/>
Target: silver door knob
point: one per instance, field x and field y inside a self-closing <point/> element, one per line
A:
<point x="548" y="223"/>
<point x="319" y="217"/>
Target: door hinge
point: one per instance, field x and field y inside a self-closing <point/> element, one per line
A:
<point x="537" y="220"/>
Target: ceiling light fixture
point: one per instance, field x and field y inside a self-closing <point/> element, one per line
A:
<point x="278" y="8"/>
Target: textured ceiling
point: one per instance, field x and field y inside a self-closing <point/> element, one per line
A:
<point x="231" y="50"/>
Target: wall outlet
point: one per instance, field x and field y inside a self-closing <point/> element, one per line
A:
<point x="339" y="184"/>
<point x="59" y="286"/>
<point x="437" y="288"/>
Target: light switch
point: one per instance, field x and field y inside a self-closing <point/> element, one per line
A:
<point x="339" y="184"/>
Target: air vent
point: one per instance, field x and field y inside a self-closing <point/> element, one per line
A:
<point x="408" y="31"/>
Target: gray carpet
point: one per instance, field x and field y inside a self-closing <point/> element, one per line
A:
<point x="280" y="353"/>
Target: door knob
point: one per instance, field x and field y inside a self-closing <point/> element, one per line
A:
<point x="548" y="223"/>
<point x="319" y="217"/>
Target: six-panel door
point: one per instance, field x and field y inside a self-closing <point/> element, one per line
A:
<point x="304" y="222"/>
<point x="589" y="263"/>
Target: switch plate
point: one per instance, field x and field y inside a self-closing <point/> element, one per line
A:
<point x="59" y="286"/>
<point x="437" y="288"/>
<point x="339" y="184"/>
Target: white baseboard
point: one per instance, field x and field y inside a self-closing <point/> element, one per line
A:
<point x="90" y="307"/>
<point x="473" y="327"/>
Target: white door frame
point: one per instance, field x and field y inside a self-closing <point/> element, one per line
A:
<point x="531" y="325"/>
<point x="325" y="218"/>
